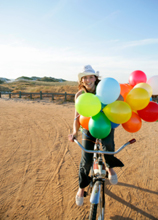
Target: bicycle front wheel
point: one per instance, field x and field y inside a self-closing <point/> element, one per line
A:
<point x="97" y="210"/>
<point x="93" y="212"/>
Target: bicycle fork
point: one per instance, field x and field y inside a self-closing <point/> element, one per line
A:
<point x="98" y="198"/>
<point x="95" y="195"/>
<point x="99" y="179"/>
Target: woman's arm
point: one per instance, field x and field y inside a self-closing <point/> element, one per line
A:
<point x="76" y="124"/>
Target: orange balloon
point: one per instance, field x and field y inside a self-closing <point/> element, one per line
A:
<point x="134" y="124"/>
<point x="125" y="89"/>
<point x="135" y="111"/>
<point x="129" y="86"/>
<point x="84" y="121"/>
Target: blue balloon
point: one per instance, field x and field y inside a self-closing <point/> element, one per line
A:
<point x="108" y="90"/>
<point x="102" y="105"/>
<point x="150" y="98"/>
<point x="114" y="125"/>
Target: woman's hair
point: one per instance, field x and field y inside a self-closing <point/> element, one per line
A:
<point x="81" y="86"/>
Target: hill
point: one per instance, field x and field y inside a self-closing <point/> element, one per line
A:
<point x="33" y="78"/>
<point x="2" y="80"/>
<point x="37" y="84"/>
<point x="45" y="79"/>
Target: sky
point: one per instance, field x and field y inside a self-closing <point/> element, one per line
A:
<point x="57" y="38"/>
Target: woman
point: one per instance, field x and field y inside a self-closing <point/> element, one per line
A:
<point x="88" y="80"/>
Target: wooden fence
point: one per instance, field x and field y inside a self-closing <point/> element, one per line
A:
<point x="40" y="94"/>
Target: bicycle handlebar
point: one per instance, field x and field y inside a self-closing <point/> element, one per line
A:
<point x="105" y="152"/>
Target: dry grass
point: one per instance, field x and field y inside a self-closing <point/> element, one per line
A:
<point x="45" y="87"/>
<point x="33" y="86"/>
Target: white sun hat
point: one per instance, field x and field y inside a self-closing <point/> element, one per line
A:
<point x="87" y="70"/>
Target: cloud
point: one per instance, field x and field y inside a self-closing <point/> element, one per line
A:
<point x="31" y="54"/>
<point x="67" y="62"/>
<point x="137" y="43"/>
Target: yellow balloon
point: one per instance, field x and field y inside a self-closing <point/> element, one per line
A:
<point x="118" y="112"/>
<point x="138" y="98"/>
<point x="145" y="86"/>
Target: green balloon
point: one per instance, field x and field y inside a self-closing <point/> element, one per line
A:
<point x="99" y="126"/>
<point x="88" y="105"/>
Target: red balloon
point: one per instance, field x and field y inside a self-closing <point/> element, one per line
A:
<point x="84" y="121"/>
<point x="133" y="124"/>
<point x="136" y="77"/>
<point x="150" y="112"/>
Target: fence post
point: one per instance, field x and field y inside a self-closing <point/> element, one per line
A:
<point x="0" y="94"/>
<point x="20" y="94"/>
<point x="30" y="95"/>
<point x="10" y="95"/>
<point x="65" y="96"/>
<point x="52" y="97"/>
<point x="40" y="94"/>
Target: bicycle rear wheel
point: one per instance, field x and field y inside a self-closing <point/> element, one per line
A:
<point x="97" y="210"/>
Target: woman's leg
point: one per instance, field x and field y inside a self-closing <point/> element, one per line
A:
<point x="111" y="161"/>
<point x="109" y="145"/>
<point x="85" y="165"/>
<point x="86" y="159"/>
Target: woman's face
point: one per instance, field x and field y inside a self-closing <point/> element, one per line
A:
<point x="89" y="82"/>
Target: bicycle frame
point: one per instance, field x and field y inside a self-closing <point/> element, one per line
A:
<point x="98" y="178"/>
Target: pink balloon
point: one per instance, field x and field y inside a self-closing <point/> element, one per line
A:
<point x="153" y="82"/>
<point x="136" y="77"/>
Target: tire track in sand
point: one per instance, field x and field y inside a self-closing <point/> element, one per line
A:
<point x="132" y="193"/>
<point x="48" y="169"/>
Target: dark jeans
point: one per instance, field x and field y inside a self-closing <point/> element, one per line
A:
<point x="88" y="142"/>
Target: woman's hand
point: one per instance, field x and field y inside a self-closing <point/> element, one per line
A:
<point x="71" y="137"/>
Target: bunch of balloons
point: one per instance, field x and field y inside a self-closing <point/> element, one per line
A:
<point x="103" y="111"/>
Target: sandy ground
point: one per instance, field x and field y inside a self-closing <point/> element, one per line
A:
<point x="39" y="167"/>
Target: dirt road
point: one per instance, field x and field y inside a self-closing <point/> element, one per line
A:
<point x="39" y="167"/>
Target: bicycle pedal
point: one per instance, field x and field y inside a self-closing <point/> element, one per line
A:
<point x="85" y="194"/>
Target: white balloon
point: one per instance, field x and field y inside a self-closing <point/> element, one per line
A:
<point x="153" y="82"/>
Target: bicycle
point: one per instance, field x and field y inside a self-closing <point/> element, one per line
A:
<point x="98" y="175"/>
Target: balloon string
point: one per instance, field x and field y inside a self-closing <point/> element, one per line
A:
<point x="81" y="129"/>
<point x="76" y="117"/>
<point x="91" y="141"/>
